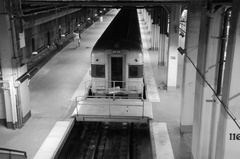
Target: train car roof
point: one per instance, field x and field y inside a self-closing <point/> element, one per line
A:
<point x="118" y="45"/>
<point x="122" y="33"/>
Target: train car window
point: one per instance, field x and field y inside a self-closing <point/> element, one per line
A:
<point x="98" y="71"/>
<point x="135" y="71"/>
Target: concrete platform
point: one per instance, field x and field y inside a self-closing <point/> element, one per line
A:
<point x="160" y="140"/>
<point x="55" y="140"/>
<point x="151" y="86"/>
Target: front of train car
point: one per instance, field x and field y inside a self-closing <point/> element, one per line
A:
<point x="117" y="58"/>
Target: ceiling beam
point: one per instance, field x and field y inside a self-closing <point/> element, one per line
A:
<point x="105" y="4"/>
<point x="117" y="3"/>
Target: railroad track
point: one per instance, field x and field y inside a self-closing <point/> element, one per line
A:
<point x="98" y="140"/>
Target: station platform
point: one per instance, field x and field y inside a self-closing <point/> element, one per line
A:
<point x="54" y="88"/>
<point x="53" y="143"/>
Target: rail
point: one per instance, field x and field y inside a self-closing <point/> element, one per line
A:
<point x="110" y="101"/>
<point x="9" y="153"/>
<point x="39" y="52"/>
<point x="38" y="55"/>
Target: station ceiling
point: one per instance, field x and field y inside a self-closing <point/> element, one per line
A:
<point x="116" y="3"/>
<point x="24" y="8"/>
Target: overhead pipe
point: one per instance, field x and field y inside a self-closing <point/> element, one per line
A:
<point x="225" y="28"/>
<point x="44" y="11"/>
<point x="21" y="14"/>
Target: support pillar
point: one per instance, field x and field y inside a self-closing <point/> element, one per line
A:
<point x="160" y="56"/>
<point x="162" y="37"/>
<point x="165" y="51"/>
<point x="144" y="16"/>
<point x="154" y="36"/>
<point x="149" y="23"/>
<point x="7" y="53"/>
<point x="206" y="107"/>
<point x="158" y="37"/>
<point x="189" y="72"/>
<point x="15" y="99"/>
<point x="147" y="19"/>
<point x="228" y="132"/>
<point x="172" y="48"/>
<point x="154" y="30"/>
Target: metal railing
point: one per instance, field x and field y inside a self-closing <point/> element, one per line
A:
<point x="115" y="88"/>
<point x="110" y="101"/>
<point x="12" y="154"/>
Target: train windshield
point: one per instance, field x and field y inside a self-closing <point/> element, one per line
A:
<point x="98" y="71"/>
<point x="135" y="71"/>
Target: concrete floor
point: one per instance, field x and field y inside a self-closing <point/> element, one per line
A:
<point x="168" y="109"/>
<point x="54" y="85"/>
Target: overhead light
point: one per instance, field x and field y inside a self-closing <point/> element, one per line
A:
<point x="182" y="51"/>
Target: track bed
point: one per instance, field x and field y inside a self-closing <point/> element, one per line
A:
<point x="98" y="140"/>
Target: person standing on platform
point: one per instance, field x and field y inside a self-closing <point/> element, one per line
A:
<point x="77" y="37"/>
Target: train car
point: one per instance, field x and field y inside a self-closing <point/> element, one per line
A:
<point x="117" y="58"/>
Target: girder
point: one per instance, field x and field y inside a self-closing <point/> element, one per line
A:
<point x="106" y="3"/>
<point x="117" y="3"/>
<point x="29" y="7"/>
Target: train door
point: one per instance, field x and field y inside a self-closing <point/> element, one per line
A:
<point x="117" y="71"/>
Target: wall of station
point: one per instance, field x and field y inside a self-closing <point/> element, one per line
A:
<point x="31" y="35"/>
<point x="57" y="30"/>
